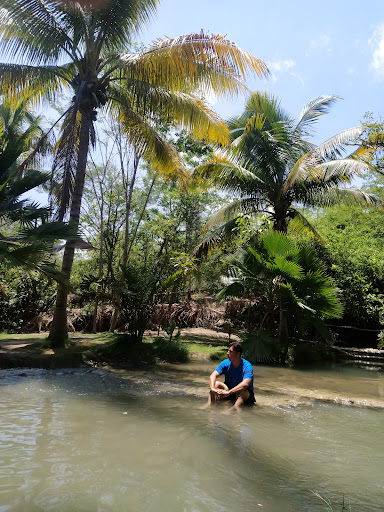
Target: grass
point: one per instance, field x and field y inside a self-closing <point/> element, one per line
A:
<point x="115" y="349"/>
<point x="4" y="336"/>
<point x="202" y="346"/>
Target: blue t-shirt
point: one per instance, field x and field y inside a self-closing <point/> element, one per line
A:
<point x="233" y="376"/>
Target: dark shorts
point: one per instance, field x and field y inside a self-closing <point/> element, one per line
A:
<point x="232" y="398"/>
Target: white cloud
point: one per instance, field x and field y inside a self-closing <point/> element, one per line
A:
<point x="281" y="65"/>
<point x="323" y="42"/>
<point x="377" y="43"/>
<point x="284" y="66"/>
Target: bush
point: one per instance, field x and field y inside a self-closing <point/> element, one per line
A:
<point x="309" y="353"/>
<point x="22" y="296"/>
<point x="170" y="351"/>
<point x="127" y="349"/>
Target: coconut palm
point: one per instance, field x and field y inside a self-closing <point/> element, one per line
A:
<point x="26" y="238"/>
<point x="272" y="168"/>
<point x="67" y="45"/>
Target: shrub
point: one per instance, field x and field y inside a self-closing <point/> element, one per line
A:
<point x="170" y="351"/>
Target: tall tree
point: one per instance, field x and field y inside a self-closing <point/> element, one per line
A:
<point x="273" y="168"/>
<point x="57" y="45"/>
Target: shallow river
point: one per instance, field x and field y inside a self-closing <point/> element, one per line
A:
<point x="94" y="441"/>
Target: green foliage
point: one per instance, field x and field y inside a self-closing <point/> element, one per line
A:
<point x="22" y="296"/>
<point x="261" y="347"/>
<point x="126" y="350"/>
<point x="170" y="329"/>
<point x="26" y="238"/>
<point x="354" y="257"/>
<point x="290" y="283"/>
<point x="271" y="168"/>
<point x="373" y="140"/>
<point x="135" y="298"/>
<point x="170" y="350"/>
<point x="306" y="352"/>
<point x="193" y="151"/>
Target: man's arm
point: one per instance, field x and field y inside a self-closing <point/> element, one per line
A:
<point x="239" y="387"/>
<point x="213" y="379"/>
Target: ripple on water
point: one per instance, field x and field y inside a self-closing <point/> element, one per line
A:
<point x="92" y="440"/>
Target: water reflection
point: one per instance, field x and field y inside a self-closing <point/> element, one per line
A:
<point x="87" y="440"/>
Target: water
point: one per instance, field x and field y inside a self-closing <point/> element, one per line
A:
<point x="92" y="441"/>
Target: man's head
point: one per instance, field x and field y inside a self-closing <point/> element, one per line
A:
<point x="234" y="352"/>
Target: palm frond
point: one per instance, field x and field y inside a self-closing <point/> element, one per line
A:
<point x="34" y="30"/>
<point x="49" y="232"/>
<point x="312" y="168"/>
<point x="119" y="20"/>
<point x="34" y="81"/>
<point x="215" y="238"/>
<point x="210" y="63"/>
<point x="312" y="111"/>
<point x="347" y="196"/>
<point x="225" y="170"/>
<point x="234" y="289"/>
<point x="181" y="109"/>
<point x="13" y="188"/>
<point x="260" y="347"/>
<point x="262" y="103"/>
<point x="300" y="224"/>
<point x="65" y="161"/>
<point x="342" y="170"/>
<point x="247" y="205"/>
<point x="278" y="244"/>
<point x="303" y="171"/>
<point x="149" y="143"/>
<point x="334" y="147"/>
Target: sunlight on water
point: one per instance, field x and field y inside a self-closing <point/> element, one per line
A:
<point x="88" y="440"/>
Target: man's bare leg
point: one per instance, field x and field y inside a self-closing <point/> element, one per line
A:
<point x="241" y="398"/>
<point x="212" y="396"/>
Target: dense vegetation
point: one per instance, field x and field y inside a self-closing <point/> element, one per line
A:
<point x="293" y="255"/>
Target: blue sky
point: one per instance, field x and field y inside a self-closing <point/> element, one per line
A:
<point x="311" y="48"/>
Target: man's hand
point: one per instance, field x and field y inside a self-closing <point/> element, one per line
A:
<point x="223" y="392"/>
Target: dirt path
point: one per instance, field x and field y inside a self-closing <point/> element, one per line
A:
<point x="200" y="332"/>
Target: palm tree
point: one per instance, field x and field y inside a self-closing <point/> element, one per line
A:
<point x="83" y="48"/>
<point x="272" y="167"/>
<point x="285" y="279"/>
<point x="26" y="238"/>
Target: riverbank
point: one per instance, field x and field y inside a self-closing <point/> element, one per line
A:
<point x="33" y="351"/>
<point x="273" y="385"/>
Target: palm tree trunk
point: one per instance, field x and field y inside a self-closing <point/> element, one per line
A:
<point x="280" y="224"/>
<point x="58" y="334"/>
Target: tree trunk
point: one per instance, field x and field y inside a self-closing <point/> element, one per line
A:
<point x="283" y="333"/>
<point x="280" y="224"/>
<point x="128" y="194"/>
<point x="100" y="274"/>
<point x="141" y="215"/>
<point x="58" y="334"/>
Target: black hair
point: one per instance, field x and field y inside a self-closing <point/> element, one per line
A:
<point x="236" y="346"/>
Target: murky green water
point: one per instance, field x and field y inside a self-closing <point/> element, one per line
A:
<point x="92" y="441"/>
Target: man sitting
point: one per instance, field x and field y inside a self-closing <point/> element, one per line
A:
<point x="238" y="384"/>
